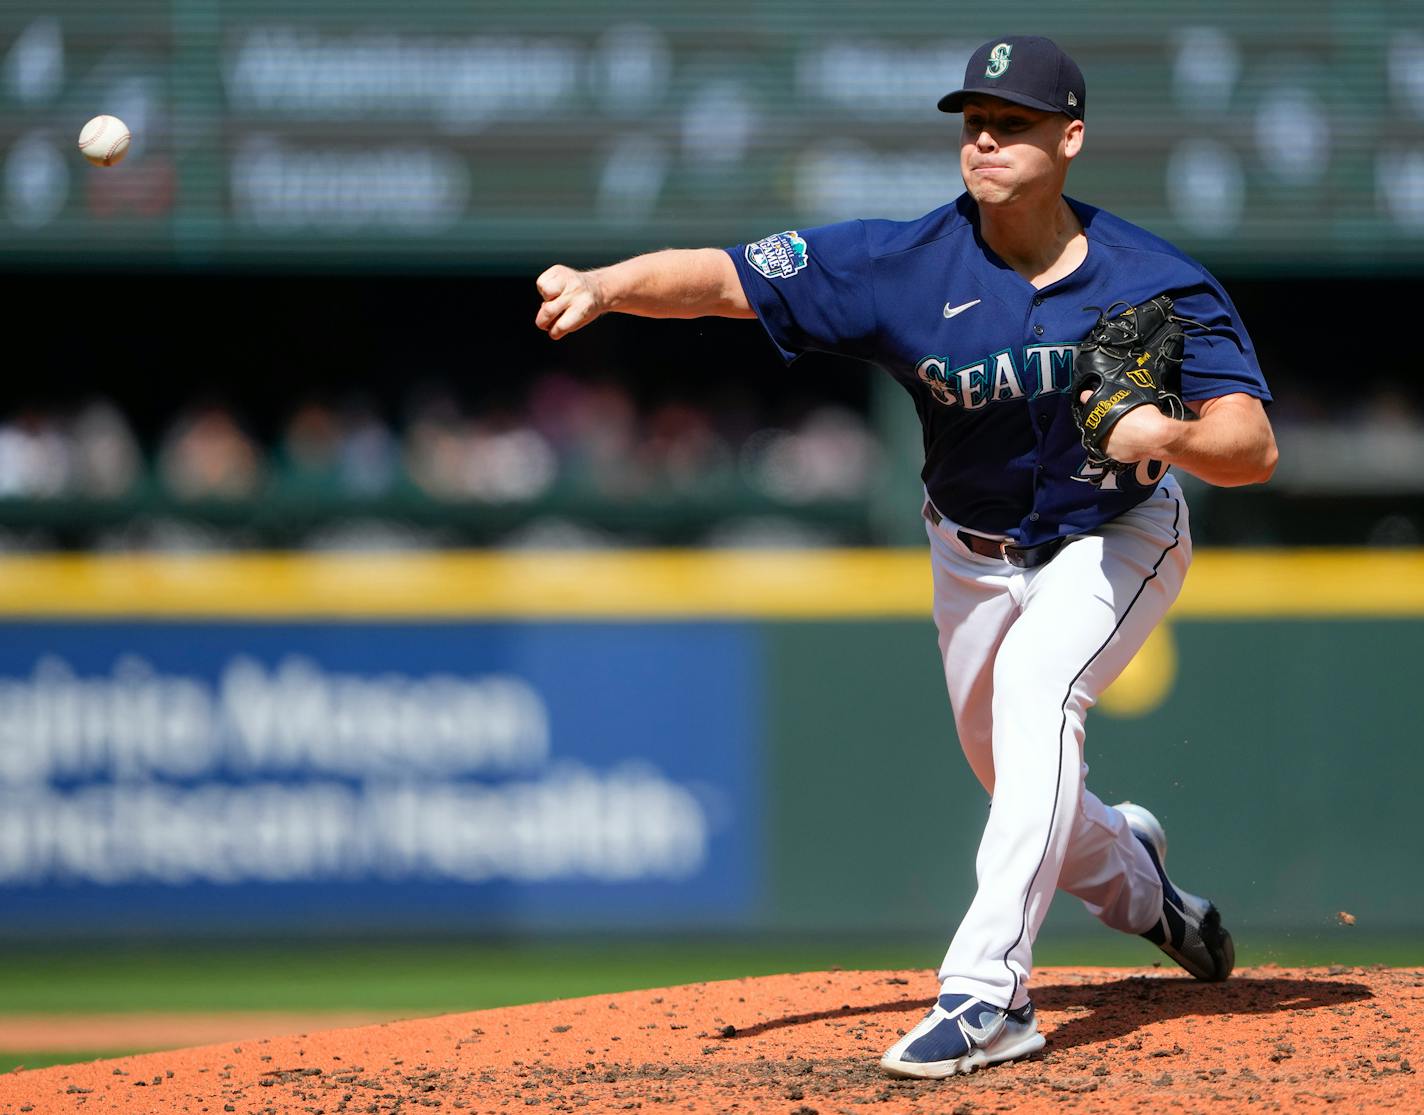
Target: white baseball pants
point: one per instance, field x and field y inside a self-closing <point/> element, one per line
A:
<point x="1026" y="653"/>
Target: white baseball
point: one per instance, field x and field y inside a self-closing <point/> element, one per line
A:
<point x="104" y="140"/>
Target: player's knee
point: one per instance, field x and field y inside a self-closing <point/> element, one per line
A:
<point x="1019" y="691"/>
<point x="1027" y="708"/>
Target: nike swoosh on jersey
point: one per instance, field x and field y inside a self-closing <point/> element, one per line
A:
<point x="952" y="311"/>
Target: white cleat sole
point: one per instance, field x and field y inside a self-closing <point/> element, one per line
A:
<point x="978" y="1059"/>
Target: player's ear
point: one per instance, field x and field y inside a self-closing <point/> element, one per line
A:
<point x="1072" y="138"/>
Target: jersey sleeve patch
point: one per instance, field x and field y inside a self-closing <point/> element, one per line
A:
<point x="779" y="256"/>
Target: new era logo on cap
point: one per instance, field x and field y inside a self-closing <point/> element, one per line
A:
<point x="1025" y="69"/>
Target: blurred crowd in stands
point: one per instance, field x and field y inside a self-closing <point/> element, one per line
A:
<point x="587" y="436"/>
<point x="587" y="441"/>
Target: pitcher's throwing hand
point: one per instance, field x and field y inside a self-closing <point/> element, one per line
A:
<point x="572" y="299"/>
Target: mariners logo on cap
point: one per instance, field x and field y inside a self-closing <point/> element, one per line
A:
<point x="998" y="60"/>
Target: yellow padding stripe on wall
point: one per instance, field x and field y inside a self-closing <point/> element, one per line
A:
<point x="658" y="584"/>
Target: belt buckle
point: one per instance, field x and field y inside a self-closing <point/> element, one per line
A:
<point x="1012" y="554"/>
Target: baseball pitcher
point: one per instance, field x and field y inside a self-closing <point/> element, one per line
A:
<point x="1062" y="361"/>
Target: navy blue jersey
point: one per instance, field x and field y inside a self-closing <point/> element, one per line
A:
<point x="986" y="356"/>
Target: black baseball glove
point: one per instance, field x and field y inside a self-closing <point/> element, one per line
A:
<point x="1129" y="360"/>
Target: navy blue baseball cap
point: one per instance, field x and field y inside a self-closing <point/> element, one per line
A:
<point x="1025" y="69"/>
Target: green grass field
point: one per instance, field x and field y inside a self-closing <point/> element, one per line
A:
<point x="414" y="978"/>
<point x="442" y="975"/>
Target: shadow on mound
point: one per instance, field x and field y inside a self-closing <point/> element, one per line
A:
<point x="847" y="1011"/>
<point x="1121" y="1006"/>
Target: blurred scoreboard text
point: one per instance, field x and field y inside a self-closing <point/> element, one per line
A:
<point x="436" y="133"/>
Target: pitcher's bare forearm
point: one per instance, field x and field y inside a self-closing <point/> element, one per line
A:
<point x="678" y="282"/>
<point x="1230" y="444"/>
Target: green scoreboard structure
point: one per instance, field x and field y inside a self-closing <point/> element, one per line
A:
<point x="492" y="134"/>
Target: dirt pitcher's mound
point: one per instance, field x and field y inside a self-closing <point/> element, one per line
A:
<point x="1271" y="1038"/>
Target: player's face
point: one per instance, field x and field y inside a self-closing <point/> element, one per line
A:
<point x="1010" y="152"/>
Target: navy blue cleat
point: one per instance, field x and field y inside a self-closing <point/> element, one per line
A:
<point x="1190" y="929"/>
<point x="960" y="1034"/>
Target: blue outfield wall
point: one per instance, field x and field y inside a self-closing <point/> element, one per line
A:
<point x="209" y="776"/>
<point x="658" y="742"/>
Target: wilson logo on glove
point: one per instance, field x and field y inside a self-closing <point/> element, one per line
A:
<point x="1128" y="360"/>
<point x="1099" y="412"/>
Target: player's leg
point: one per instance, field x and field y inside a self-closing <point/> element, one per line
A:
<point x="975" y="604"/>
<point x="983" y="1014"/>
<point x="973" y="609"/>
<point x="1108" y="868"/>
<point x="1116" y="864"/>
<point x="1105" y="865"/>
<point x="1084" y="616"/>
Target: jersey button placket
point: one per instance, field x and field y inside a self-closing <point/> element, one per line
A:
<point x="1042" y="418"/>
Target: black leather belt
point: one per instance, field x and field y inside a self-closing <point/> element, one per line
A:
<point x="1020" y="557"/>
